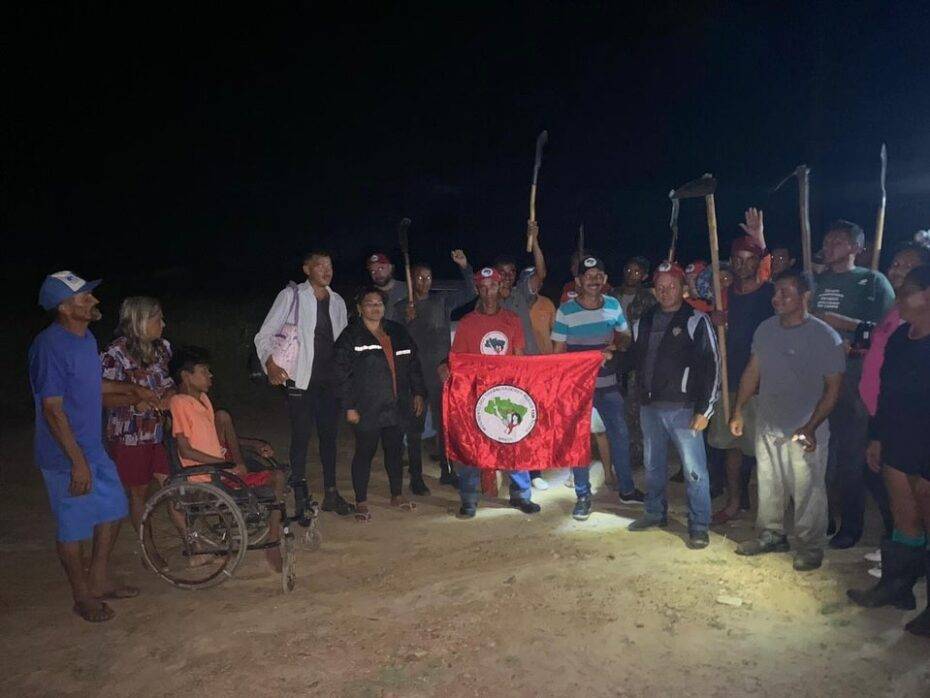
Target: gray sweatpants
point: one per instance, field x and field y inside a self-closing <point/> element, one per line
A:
<point x="786" y="472"/>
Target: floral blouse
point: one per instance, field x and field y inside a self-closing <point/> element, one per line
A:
<point x="126" y="424"/>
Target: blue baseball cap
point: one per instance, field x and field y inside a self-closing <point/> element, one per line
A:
<point x="61" y="286"/>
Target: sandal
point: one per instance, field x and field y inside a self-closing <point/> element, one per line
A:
<point x="94" y="615"/>
<point x="362" y="514"/>
<point x="403" y="504"/>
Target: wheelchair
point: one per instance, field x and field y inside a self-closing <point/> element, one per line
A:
<point x="196" y="529"/>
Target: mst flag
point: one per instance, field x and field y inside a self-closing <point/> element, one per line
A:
<point x="520" y="412"/>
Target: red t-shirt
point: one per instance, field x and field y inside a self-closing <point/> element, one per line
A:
<point x="500" y="334"/>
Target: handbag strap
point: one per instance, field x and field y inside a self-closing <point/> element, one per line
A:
<point x="295" y="305"/>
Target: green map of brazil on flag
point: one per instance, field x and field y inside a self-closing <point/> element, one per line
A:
<point x="520" y="412"/>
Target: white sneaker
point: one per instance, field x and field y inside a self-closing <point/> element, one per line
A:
<point x="874" y="556"/>
<point x="540" y="484"/>
<point x="876" y="571"/>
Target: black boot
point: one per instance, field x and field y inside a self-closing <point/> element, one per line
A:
<point x="301" y="502"/>
<point x="921" y="624"/>
<point x="417" y="486"/>
<point x="333" y="501"/>
<point x="902" y="566"/>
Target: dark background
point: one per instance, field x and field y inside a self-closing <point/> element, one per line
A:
<point x="186" y="152"/>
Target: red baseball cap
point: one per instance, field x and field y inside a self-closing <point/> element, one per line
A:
<point x="746" y="244"/>
<point x="669" y="268"/>
<point x="488" y="274"/>
<point x="696" y="267"/>
<point x="377" y="258"/>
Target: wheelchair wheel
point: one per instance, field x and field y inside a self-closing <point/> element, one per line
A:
<point x="311" y="538"/>
<point x="288" y="558"/>
<point x="257" y="531"/>
<point x="193" y="535"/>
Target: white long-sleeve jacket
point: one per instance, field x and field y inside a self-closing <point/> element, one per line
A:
<point x="306" y="325"/>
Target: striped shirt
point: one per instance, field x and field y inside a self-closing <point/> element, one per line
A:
<point x="586" y="330"/>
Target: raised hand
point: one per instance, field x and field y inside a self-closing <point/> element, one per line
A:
<point x="532" y="231"/>
<point x="458" y="256"/>
<point x="754" y="226"/>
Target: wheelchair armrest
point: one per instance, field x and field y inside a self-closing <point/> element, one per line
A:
<point x="206" y="468"/>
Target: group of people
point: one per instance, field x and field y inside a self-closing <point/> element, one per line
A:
<point x="827" y="379"/>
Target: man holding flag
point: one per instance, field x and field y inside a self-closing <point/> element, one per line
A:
<point x="507" y="411"/>
<point x="493" y="331"/>
<point x="593" y="321"/>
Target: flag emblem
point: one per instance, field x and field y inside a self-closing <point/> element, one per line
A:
<point x="505" y="414"/>
<point x="494" y="343"/>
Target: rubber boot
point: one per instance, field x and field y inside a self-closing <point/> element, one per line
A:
<point x="921" y="624"/>
<point x="902" y="566"/>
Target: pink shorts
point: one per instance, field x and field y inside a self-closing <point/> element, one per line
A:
<point x="137" y="465"/>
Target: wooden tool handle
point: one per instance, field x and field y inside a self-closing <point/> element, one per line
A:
<point x="410" y="298"/>
<point x="529" y="238"/>
<point x="718" y="302"/>
<point x="879" y="234"/>
<point x="804" y="210"/>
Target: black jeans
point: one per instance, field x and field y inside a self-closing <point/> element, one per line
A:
<point x="413" y="431"/>
<point x="366" y="443"/>
<point x="306" y="407"/>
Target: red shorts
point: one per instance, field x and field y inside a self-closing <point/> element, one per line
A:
<point x="259" y="479"/>
<point x="137" y="465"/>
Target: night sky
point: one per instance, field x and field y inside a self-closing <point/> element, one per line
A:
<point x="227" y="142"/>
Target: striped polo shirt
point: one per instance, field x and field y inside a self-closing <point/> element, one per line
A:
<point x="587" y="330"/>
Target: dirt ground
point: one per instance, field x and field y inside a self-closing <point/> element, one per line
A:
<point x="423" y="604"/>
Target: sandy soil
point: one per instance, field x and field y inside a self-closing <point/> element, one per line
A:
<point x="424" y="604"/>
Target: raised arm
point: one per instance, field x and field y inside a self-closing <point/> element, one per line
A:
<point x="539" y="260"/>
<point x="467" y="290"/>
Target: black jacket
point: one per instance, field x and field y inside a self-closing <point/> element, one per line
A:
<point x="687" y="368"/>
<point x="363" y="377"/>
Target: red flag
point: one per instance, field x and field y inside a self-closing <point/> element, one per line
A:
<point x="520" y="412"/>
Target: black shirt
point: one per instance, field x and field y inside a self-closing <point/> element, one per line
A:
<point x="902" y="421"/>
<point x="323" y="343"/>
<point x="745" y="312"/>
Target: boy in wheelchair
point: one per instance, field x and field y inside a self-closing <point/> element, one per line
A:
<point x="204" y="436"/>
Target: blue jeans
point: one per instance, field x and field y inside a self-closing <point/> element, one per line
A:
<point x="609" y="404"/>
<point x="660" y="425"/>
<point x="470" y="482"/>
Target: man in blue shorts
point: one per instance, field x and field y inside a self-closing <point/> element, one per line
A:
<point x="83" y="487"/>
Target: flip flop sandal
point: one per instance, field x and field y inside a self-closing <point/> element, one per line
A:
<point x="125" y="592"/>
<point x="362" y="515"/>
<point x="405" y="506"/>
<point x="97" y="615"/>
